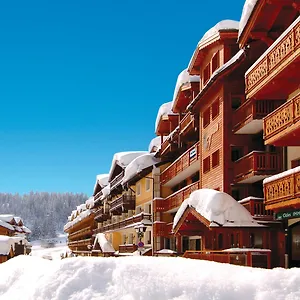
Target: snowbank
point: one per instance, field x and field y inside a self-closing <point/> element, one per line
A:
<point x="79" y="218"/>
<point x="139" y="164"/>
<point x="147" y="278"/>
<point x="218" y="208"/>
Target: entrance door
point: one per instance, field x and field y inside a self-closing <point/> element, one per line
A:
<point x="295" y="245"/>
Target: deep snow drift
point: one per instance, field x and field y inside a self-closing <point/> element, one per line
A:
<point x="147" y="278"/>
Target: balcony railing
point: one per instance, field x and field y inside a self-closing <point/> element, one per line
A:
<point x="256" y="207"/>
<point x="283" y="190"/>
<point x="181" y="163"/>
<point x="186" y="121"/>
<point x="116" y="181"/>
<point x="162" y="229"/>
<point x="257" y="164"/>
<point x="128" y="248"/>
<point x="124" y="223"/>
<point x="80" y="243"/>
<point x="97" y="197"/>
<point x="123" y="204"/>
<point x="102" y="214"/>
<point x="80" y="233"/>
<point x="283" y="117"/>
<point x="252" y="110"/>
<point x="277" y="55"/>
<point x="174" y="201"/>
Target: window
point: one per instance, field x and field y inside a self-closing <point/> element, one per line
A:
<point x="206" y="164"/>
<point x="220" y="241"/>
<point x="147" y="184"/>
<point x="206" y="74"/>
<point x="215" y="109"/>
<point x="215" y="159"/>
<point x="236" y="153"/>
<point x="138" y="189"/>
<point x="215" y="63"/>
<point x="195" y="177"/>
<point x="206" y="118"/>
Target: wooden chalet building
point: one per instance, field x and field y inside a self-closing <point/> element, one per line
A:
<point x="13" y="237"/>
<point x="271" y="32"/>
<point x="215" y="144"/>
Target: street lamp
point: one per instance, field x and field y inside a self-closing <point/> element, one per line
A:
<point x="140" y="230"/>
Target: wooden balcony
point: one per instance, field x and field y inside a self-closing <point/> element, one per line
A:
<point x="283" y="191"/>
<point x="276" y="74"/>
<point x="282" y="126"/>
<point x="256" y="166"/>
<point x="172" y="202"/>
<point x="80" y="243"/>
<point x="97" y="197"/>
<point x="116" y="181"/>
<point x="247" y="119"/>
<point x="80" y="233"/>
<point x="124" y="223"/>
<point x="122" y="204"/>
<point x="256" y="207"/>
<point x="187" y="123"/>
<point x="162" y="229"/>
<point x="128" y="248"/>
<point x="102" y="214"/>
<point x="170" y="176"/>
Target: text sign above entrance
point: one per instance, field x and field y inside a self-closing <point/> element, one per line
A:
<point x="288" y="215"/>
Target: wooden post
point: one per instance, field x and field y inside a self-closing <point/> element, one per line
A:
<point x="249" y="259"/>
<point x="178" y="243"/>
<point x="269" y="260"/>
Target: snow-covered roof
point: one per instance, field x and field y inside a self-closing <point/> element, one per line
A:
<point x="105" y="191"/>
<point x="183" y="78"/>
<point x="139" y="164"/>
<point x="164" y="110"/>
<point x="89" y="202"/>
<point x="81" y="207"/>
<point x="225" y="25"/>
<point x="7" y="218"/>
<point x="101" y="180"/>
<point x="19" y="221"/>
<point x="8" y="242"/>
<point x="219" y="208"/>
<point x="246" y="13"/>
<point x="6" y="225"/>
<point x="104" y="244"/>
<point x="123" y="159"/>
<point x="237" y="57"/>
<point x="155" y="143"/>
<point x="281" y="175"/>
<point x="26" y="229"/>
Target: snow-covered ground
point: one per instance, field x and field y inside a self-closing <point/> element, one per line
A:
<point x="147" y="278"/>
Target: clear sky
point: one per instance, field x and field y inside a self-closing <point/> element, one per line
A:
<point x="82" y="80"/>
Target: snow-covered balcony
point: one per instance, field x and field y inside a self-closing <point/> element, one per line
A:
<point x="256" y="208"/>
<point x="282" y="190"/>
<point x="128" y="223"/>
<point x="256" y="166"/>
<point x="283" y="124"/>
<point x="80" y="243"/>
<point x="116" y="182"/>
<point x="276" y="73"/>
<point x="248" y="118"/>
<point x="173" y="202"/>
<point x="184" y="166"/>
<point x="102" y="214"/>
<point x="122" y="204"/>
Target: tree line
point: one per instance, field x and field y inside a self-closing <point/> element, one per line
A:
<point x="45" y="214"/>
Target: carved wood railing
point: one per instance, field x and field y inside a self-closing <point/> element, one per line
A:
<point x="175" y="199"/>
<point x="253" y="110"/>
<point x="181" y="163"/>
<point x="281" y="118"/>
<point x="186" y="121"/>
<point x="258" y="162"/>
<point x="286" y="187"/>
<point x="284" y="47"/>
<point x="123" y="223"/>
<point x="79" y="243"/>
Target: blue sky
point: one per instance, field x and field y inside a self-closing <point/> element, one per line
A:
<point x="81" y="80"/>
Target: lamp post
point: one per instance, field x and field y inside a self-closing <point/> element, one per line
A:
<point x="140" y="230"/>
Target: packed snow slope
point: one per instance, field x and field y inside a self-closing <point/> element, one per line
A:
<point x="147" y="278"/>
